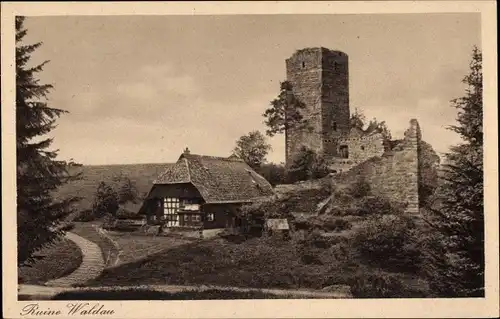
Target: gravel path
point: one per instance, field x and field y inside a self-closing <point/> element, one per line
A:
<point x="92" y="264"/>
<point x="32" y="292"/>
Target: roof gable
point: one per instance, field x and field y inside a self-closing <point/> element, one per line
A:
<point x="218" y="179"/>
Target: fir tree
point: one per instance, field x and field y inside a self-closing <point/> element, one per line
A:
<point x="39" y="173"/>
<point x="458" y="268"/>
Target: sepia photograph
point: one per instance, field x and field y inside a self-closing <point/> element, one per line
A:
<point x="300" y="156"/>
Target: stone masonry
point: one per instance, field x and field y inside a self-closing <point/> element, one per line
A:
<point x="395" y="174"/>
<point x="320" y="80"/>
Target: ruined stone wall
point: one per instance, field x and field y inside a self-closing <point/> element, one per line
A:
<point x="360" y="148"/>
<point x="395" y="174"/>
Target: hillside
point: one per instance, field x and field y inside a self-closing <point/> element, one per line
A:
<point x="142" y="175"/>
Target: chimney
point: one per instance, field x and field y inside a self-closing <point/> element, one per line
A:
<point x="186" y="151"/>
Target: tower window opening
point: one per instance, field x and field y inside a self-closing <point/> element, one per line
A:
<point x="362" y="148"/>
<point x="334" y="126"/>
<point x="335" y="65"/>
<point x="303" y="64"/>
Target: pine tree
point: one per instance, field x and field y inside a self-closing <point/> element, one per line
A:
<point x="459" y="217"/>
<point x="39" y="173"/>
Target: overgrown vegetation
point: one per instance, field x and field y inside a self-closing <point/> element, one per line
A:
<point x="306" y="165"/>
<point x="274" y="173"/>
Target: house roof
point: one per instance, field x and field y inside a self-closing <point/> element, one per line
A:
<point x="218" y="179"/>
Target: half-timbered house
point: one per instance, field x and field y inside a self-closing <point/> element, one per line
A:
<point x="201" y="191"/>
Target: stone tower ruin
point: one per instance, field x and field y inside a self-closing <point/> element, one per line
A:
<point x="320" y="80"/>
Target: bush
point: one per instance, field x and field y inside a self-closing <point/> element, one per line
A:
<point x="336" y="224"/>
<point x="109" y="222"/>
<point x="67" y="226"/>
<point x="306" y="165"/>
<point x="389" y="242"/>
<point x="360" y="188"/>
<point x="311" y="248"/>
<point x="123" y="213"/>
<point x="86" y="216"/>
<point x="382" y="285"/>
<point x="106" y="200"/>
<point x="273" y="173"/>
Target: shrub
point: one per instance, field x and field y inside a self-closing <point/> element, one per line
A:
<point x="390" y="243"/>
<point x="336" y="224"/>
<point x="367" y="283"/>
<point x="273" y="173"/>
<point x="381" y="285"/>
<point x="302" y="225"/>
<point x="106" y="200"/>
<point x="360" y="188"/>
<point x="109" y="221"/>
<point x="376" y="205"/>
<point x="306" y="165"/>
<point x="67" y="226"/>
<point x="123" y="213"/>
<point x="86" y="216"/>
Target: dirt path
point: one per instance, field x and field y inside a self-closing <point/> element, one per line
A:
<point x="32" y="292"/>
<point x="92" y="264"/>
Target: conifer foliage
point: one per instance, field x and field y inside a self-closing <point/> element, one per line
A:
<point x="459" y="215"/>
<point x="39" y="173"/>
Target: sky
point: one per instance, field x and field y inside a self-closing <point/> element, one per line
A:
<point x="140" y="89"/>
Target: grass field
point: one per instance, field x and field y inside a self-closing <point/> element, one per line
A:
<point x="60" y="259"/>
<point x="142" y="174"/>
<point x="136" y="247"/>
<point x="259" y="263"/>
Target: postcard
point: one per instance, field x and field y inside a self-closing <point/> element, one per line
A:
<point x="250" y="159"/>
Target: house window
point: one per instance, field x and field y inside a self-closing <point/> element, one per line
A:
<point x="334" y="126"/>
<point x="196" y="218"/>
<point x="303" y="64"/>
<point x="344" y="151"/>
<point x="170" y="208"/>
<point x="187" y="204"/>
<point x="210" y="217"/>
<point x="186" y="218"/>
<point x="362" y="148"/>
